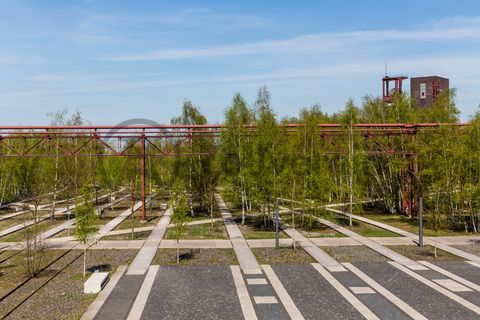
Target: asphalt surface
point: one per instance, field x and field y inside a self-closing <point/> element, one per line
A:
<point x="464" y="270"/>
<point x="193" y="292"/>
<point x="118" y="304"/>
<point x="209" y="292"/>
<point x="419" y="296"/>
<point x="313" y="295"/>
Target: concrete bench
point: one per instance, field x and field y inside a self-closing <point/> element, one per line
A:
<point x="96" y="282"/>
<point x="163" y="206"/>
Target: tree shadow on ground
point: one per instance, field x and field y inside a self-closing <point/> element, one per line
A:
<point x="105" y="267"/>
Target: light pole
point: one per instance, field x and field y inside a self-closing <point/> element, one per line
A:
<point x="420" y="222"/>
<point x="277" y="225"/>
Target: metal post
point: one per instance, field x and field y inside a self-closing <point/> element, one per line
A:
<point x="420" y="222"/>
<point x="144" y="209"/>
<point x="277" y="225"/>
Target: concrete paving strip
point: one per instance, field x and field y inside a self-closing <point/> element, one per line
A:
<point x="451" y="275"/>
<point x="256" y="281"/>
<point x="112" y="224"/>
<point x="40" y="219"/>
<point x="144" y="258"/>
<point x="150" y="228"/>
<point x="13" y="215"/>
<point x="452" y="285"/>
<point x="384" y="292"/>
<point x="103" y="295"/>
<point x="318" y="254"/>
<point x="474" y="264"/>
<point x="362" y="290"/>
<point x="283" y="295"/>
<point x="442" y="290"/>
<point x="246" y="259"/>
<point x="142" y="296"/>
<point x="242" y="292"/>
<point x="53" y="231"/>
<point x="392" y="255"/>
<point x="428" y="240"/>
<point x="129" y="231"/>
<point x="265" y="300"/>
<point x="26" y="224"/>
<point x="354" y="301"/>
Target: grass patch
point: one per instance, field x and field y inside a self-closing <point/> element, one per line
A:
<point x="42" y="226"/>
<point x="408" y="224"/>
<point x="142" y="235"/>
<point x="283" y="255"/>
<point x="201" y="231"/>
<point x="255" y="228"/>
<point x="195" y="257"/>
<point x="363" y="229"/>
<point x="426" y="253"/>
<point x="310" y="227"/>
<point x="27" y="216"/>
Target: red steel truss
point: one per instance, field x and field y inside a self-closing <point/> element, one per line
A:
<point x="171" y="140"/>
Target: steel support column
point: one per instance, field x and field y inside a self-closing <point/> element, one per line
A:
<point x="142" y="159"/>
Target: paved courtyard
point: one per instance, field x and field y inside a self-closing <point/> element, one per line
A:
<point x="296" y="291"/>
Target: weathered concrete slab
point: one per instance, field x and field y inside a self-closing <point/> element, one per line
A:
<point x="246" y="259"/>
<point x="144" y="258"/>
<point x="318" y="254"/>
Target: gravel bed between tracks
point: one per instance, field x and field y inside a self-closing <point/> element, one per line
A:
<point x="63" y="297"/>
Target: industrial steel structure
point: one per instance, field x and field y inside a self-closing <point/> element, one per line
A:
<point x="177" y="140"/>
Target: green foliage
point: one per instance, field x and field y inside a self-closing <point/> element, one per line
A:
<point x="86" y="219"/>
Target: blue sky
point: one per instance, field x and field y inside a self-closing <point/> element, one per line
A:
<point x="114" y="60"/>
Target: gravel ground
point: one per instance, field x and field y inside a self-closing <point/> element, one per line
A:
<point x="354" y="254"/>
<point x="13" y="269"/>
<point x="63" y="298"/>
<point x="196" y="257"/>
<point x="283" y="255"/>
<point x="473" y="248"/>
<point x="426" y="253"/>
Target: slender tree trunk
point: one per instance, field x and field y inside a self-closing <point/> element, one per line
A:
<point x="84" y="259"/>
<point x="178" y="251"/>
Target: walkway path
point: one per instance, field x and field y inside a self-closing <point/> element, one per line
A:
<point x="144" y="257"/>
<point x="13" y="214"/>
<point x="433" y="242"/>
<point x="25" y="224"/>
<point x="392" y="255"/>
<point x="244" y="254"/>
<point x="171" y="225"/>
<point x="318" y="254"/>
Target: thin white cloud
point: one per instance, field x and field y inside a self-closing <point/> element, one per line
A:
<point x="317" y="42"/>
<point x="49" y="77"/>
<point x="458" y="68"/>
<point x="7" y="59"/>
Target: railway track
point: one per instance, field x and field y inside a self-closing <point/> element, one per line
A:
<point x="9" y="303"/>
